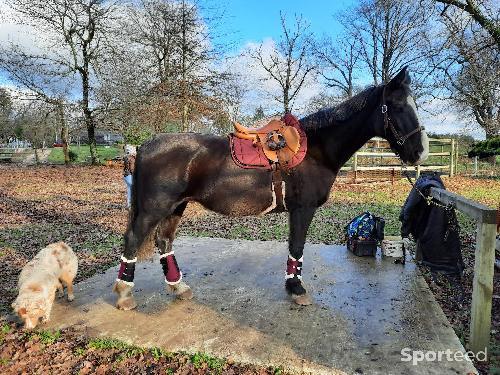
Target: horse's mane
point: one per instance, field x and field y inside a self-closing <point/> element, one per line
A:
<point x="339" y="113"/>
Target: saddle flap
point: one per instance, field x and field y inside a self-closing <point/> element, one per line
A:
<point x="292" y="138"/>
<point x="285" y="154"/>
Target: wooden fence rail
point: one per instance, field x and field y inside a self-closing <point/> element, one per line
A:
<point x="482" y="285"/>
<point x="370" y="151"/>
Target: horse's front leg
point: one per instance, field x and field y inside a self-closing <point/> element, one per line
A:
<point x="300" y="219"/>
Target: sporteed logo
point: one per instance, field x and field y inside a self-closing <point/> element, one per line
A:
<point x="416" y="356"/>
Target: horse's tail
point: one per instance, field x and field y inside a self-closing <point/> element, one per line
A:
<point x="147" y="248"/>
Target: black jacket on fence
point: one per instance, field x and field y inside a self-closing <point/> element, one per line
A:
<point x="438" y="243"/>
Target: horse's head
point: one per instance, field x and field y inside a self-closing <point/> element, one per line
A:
<point x="400" y="123"/>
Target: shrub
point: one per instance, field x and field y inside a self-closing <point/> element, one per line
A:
<point x="73" y="156"/>
<point x="485" y="149"/>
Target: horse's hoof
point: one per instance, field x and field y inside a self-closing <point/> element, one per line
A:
<point x="187" y="294"/>
<point x="71" y="297"/>
<point x="182" y="290"/>
<point x="126" y="304"/>
<point x="302" y="300"/>
<point x="126" y="300"/>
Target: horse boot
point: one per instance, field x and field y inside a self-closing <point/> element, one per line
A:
<point x="173" y="276"/>
<point x="124" y="284"/>
<point x="293" y="282"/>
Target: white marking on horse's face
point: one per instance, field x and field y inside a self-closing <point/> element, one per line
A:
<point x="424" y="139"/>
<point x="425" y="144"/>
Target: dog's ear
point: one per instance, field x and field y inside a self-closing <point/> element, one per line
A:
<point x="64" y="246"/>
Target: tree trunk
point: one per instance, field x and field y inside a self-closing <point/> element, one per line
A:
<point x="490" y="133"/>
<point x="185" y="117"/>
<point x="37" y="160"/>
<point x="184" y="53"/>
<point x="64" y="131"/>
<point x="89" y="118"/>
<point x="286" y="100"/>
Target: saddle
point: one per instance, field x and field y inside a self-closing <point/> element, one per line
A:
<point x="278" y="144"/>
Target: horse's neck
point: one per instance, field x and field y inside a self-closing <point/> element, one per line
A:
<point x="338" y="142"/>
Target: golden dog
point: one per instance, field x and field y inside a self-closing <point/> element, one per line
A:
<point x="52" y="267"/>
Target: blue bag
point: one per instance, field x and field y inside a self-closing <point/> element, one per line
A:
<point x="364" y="227"/>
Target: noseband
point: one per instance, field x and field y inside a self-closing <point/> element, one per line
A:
<point x="400" y="139"/>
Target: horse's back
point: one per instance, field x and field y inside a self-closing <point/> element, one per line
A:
<point x="184" y="144"/>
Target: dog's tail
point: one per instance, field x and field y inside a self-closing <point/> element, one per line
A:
<point x="146" y="250"/>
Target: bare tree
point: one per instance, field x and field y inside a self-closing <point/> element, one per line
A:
<point x="391" y="34"/>
<point x="44" y="82"/>
<point x="289" y="63"/>
<point x="337" y="61"/>
<point x="34" y="121"/>
<point x="483" y="12"/>
<point x="173" y="49"/>
<point x="76" y="33"/>
<point x="468" y="65"/>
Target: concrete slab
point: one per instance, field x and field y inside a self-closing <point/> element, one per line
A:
<point x="366" y="310"/>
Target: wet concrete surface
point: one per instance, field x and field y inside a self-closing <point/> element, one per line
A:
<point x="365" y="311"/>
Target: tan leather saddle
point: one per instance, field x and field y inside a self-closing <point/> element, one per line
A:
<point x="279" y="142"/>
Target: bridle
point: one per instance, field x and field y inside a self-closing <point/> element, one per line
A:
<point x="400" y="139"/>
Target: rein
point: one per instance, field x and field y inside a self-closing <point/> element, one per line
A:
<point x="400" y="139"/>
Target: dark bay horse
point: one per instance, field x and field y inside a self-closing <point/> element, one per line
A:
<point x="174" y="169"/>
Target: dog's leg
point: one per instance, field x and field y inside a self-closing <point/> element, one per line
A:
<point x="71" y="296"/>
<point x="46" y="316"/>
<point x="60" y="289"/>
<point x="67" y="279"/>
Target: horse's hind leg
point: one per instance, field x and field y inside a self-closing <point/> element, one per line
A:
<point x="165" y="235"/>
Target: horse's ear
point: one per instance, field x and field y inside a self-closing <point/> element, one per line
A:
<point x="402" y="78"/>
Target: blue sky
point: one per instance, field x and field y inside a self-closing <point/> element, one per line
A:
<point x="257" y="20"/>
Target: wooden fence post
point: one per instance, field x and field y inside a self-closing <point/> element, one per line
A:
<point x="355" y="166"/>
<point x="482" y="287"/>
<point x="475" y="166"/>
<point x="452" y="157"/>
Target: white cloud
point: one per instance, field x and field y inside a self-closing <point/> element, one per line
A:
<point x="15" y="32"/>
<point x="439" y="116"/>
<point x="259" y="89"/>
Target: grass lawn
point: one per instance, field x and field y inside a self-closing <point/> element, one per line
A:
<point x="105" y="153"/>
